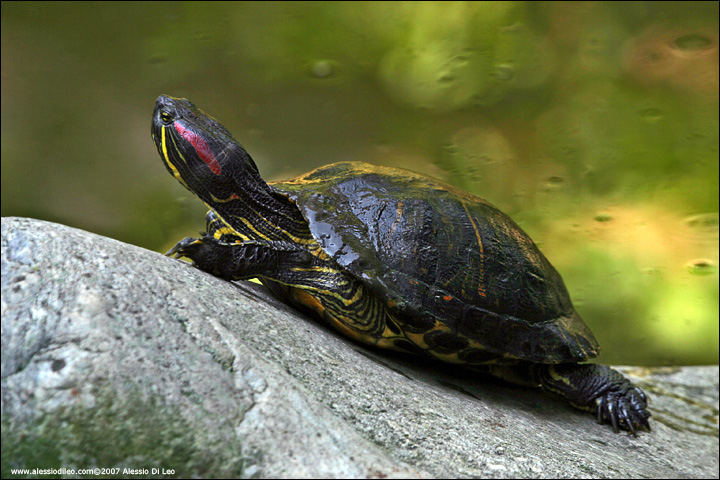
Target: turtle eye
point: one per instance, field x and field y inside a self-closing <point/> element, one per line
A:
<point x="166" y="117"/>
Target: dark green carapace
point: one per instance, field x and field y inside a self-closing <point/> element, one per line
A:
<point x="392" y="259"/>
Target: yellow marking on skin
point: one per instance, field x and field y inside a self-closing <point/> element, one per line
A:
<point x="227" y="229"/>
<point x="386" y="340"/>
<point x="342" y="327"/>
<point x="320" y="291"/>
<point x="558" y="379"/>
<point x="304" y="298"/>
<point x="174" y="170"/>
<point x="308" y="241"/>
<point x="315" y="249"/>
<point x="418" y="339"/>
<point x="224" y="200"/>
<point x="328" y="293"/>
<point x="481" y="287"/>
<point x="447" y="357"/>
<point x="556" y="376"/>
<point x="475" y="345"/>
<point x="218" y="233"/>
<point x="358" y="295"/>
<point x="315" y="269"/>
<point x="259" y="234"/>
<point x="342" y="323"/>
<point x="253" y="229"/>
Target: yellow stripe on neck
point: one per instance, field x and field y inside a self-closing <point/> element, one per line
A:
<point x="170" y="165"/>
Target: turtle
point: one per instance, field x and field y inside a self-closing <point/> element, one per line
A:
<point x="392" y="259"/>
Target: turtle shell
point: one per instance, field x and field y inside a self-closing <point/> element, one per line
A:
<point x="436" y="253"/>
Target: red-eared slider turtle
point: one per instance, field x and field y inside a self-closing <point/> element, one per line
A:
<point x="392" y="259"/>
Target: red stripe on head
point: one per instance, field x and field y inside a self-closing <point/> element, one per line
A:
<point x="201" y="147"/>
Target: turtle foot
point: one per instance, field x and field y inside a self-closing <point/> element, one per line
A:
<point x="624" y="407"/>
<point x="184" y="248"/>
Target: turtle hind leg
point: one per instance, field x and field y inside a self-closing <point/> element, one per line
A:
<point x="597" y="388"/>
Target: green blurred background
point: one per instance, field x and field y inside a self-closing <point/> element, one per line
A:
<point x="594" y="125"/>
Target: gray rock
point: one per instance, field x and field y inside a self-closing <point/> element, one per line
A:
<point x="117" y="357"/>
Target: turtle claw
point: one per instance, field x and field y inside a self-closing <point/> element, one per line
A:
<point x="630" y="427"/>
<point x="612" y="414"/>
<point x="624" y="408"/>
<point x="183" y="248"/>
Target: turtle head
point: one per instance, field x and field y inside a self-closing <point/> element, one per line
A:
<point x="200" y="153"/>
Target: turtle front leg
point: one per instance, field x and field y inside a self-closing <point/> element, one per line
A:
<point x="596" y="388"/>
<point x="239" y="261"/>
<point x="296" y="276"/>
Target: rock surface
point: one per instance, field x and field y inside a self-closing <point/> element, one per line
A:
<point x="117" y="357"/>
